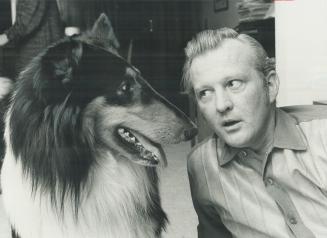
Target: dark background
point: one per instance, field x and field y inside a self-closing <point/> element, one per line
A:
<point x="157" y="30"/>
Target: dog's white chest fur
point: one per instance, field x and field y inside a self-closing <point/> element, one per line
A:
<point x="105" y="211"/>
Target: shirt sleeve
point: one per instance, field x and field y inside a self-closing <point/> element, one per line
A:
<point x="210" y="224"/>
<point x="29" y="14"/>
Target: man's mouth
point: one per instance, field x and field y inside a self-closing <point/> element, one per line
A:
<point x="231" y="124"/>
<point x="146" y="152"/>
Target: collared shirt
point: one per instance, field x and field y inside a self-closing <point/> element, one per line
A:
<point x="282" y="194"/>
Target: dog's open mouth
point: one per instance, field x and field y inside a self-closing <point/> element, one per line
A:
<point x="149" y="153"/>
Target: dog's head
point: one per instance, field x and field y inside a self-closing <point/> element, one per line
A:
<point x="79" y="99"/>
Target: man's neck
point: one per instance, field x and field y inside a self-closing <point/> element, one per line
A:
<point x="264" y="144"/>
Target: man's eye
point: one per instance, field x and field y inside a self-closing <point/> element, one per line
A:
<point x="234" y="84"/>
<point x="204" y="94"/>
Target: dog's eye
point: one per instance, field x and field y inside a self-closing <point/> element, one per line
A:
<point x="124" y="88"/>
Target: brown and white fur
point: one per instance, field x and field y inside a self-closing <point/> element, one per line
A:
<point x="83" y="135"/>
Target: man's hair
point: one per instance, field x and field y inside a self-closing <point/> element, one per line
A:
<point x="212" y="39"/>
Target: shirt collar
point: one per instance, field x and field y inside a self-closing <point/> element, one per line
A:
<point x="287" y="135"/>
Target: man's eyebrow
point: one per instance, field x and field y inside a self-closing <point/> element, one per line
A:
<point x="202" y="86"/>
<point x="238" y="75"/>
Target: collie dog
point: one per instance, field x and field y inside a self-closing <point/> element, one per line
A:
<point x="5" y="89"/>
<point x="83" y="137"/>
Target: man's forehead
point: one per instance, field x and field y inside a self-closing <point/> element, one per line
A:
<point x="233" y="59"/>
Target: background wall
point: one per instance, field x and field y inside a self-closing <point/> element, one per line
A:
<point x="209" y="19"/>
<point x="301" y="51"/>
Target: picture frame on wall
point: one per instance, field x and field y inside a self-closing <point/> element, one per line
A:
<point x="220" y="5"/>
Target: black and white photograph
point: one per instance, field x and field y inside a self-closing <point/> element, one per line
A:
<point x="163" y="119"/>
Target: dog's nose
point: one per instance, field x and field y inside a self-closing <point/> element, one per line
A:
<point x="190" y="133"/>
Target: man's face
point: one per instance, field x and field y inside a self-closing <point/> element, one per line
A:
<point x="231" y="94"/>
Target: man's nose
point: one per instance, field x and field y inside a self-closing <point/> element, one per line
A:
<point x="223" y="102"/>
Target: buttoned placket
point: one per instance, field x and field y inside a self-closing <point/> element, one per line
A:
<point x="250" y="159"/>
<point x="284" y="202"/>
<point x="263" y="166"/>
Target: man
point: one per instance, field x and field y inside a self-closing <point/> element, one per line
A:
<point x="264" y="171"/>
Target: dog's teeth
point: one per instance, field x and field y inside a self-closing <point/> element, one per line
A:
<point x="133" y="139"/>
<point x="126" y="133"/>
<point x="139" y="146"/>
<point x="144" y="154"/>
<point x="154" y="156"/>
<point x="121" y="130"/>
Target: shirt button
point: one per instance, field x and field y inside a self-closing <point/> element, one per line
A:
<point x="293" y="221"/>
<point x="270" y="181"/>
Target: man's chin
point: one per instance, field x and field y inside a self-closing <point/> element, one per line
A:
<point x="236" y="141"/>
<point x="236" y="145"/>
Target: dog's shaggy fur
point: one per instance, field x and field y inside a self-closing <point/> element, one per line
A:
<point x="83" y="134"/>
<point x="5" y="89"/>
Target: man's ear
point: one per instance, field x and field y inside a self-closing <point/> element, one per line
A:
<point x="102" y="32"/>
<point x="273" y="85"/>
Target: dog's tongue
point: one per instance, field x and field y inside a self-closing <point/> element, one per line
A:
<point x="149" y="155"/>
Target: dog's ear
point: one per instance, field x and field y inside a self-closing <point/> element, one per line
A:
<point x="57" y="68"/>
<point x="102" y="33"/>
